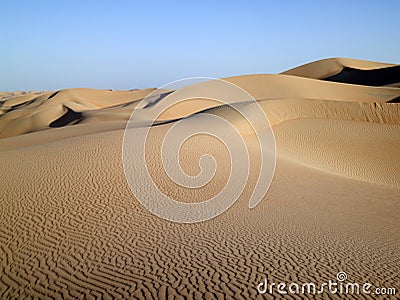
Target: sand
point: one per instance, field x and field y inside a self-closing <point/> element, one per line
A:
<point x="70" y="227"/>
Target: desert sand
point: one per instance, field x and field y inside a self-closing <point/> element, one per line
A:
<point x="70" y="226"/>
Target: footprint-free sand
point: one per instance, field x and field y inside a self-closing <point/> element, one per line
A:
<point x="70" y="226"/>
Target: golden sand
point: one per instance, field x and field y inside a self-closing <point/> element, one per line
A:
<point x="69" y="225"/>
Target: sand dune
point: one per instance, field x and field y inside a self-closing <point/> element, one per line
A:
<point x="70" y="227"/>
<point x="30" y="113"/>
<point x="68" y="107"/>
<point x="324" y="68"/>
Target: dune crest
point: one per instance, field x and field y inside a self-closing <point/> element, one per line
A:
<point x="296" y="98"/>
<point x="34" y="112"/>
<point x="330" y="66"/>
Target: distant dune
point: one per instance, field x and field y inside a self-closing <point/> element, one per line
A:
<point x="70" y="226"/>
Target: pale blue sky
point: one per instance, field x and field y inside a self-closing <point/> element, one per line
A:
<point x="127" y="44"/>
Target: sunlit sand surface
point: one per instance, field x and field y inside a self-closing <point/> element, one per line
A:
<point x="70" y="227"/>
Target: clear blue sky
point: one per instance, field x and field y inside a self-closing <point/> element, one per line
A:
<point x="136" y="44"/>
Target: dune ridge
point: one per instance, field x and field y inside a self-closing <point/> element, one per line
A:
<point x="291" y="97"/>
<point x="28" y="113"/>
<point x="324" y="68"/>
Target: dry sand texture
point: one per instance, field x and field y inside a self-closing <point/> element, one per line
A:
<point x="70" y="227"/>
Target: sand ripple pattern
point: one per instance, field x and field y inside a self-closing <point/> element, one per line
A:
<point x="70" y="228"/>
